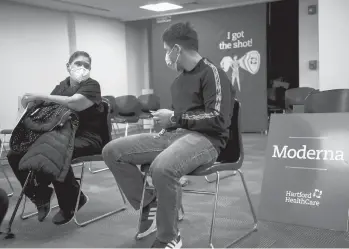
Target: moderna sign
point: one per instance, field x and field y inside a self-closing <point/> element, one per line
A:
<point x="306" y="174"/>
<point x="307" y="154"/>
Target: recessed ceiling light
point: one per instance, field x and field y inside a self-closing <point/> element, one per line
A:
<point x="161" y="7"/>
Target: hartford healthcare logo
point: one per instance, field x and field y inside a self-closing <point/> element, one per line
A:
<point x="304" y="198"/>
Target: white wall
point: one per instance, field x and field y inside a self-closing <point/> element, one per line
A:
<point x="35" y="45"/>
<point x="138" y="59"/>
<point x="333" y="44"/>
<point x="104" y="40"/>
<point x="308" y="45"/>
<point x="33" y="52"/>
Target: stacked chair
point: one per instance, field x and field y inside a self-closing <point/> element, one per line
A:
<point x="295" y="98"/>
<point x="128" y="110"/>
<point x="330" y="101"/>
<point x="149" y="102"/>
<point x="113" y="112"/>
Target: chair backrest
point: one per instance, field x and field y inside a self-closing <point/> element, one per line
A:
<point x="106" y="126"/>
<point x="234" y="152"/>
<point x="330" y="101"/>
<point x="128" y="105"/>
<point x="297" y="96"/>
<point x="149" y="102"/>
<point x="112" y="105"/>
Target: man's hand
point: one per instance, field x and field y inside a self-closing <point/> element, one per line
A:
<point x="162" y="117"/>
<point x="29" y="98"/>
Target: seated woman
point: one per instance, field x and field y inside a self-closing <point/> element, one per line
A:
<point x="82" y="94"/>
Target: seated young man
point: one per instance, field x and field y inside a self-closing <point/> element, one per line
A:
<point x="194" y="133"/>
<point x="82" y="94"/>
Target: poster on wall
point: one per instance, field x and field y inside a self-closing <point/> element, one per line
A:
<point x="236" y="59"/>
<point x="240" y="51"/>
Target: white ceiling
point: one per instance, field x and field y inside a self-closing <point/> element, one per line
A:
<point x="128" y="10"/>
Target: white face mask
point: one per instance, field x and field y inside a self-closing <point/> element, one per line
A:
<point x="79" y="74"/>
<point x="172" y="64"/>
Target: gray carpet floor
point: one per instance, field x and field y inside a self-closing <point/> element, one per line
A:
<point x="117" y="231"/>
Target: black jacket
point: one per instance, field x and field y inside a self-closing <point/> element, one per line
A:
<point x="46" y="135"/>
<point x="203" y="101"/>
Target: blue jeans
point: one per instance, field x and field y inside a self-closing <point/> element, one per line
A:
<point x="172" y="155"/>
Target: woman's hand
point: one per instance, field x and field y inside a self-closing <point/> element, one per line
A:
<point x="29" y="98"/>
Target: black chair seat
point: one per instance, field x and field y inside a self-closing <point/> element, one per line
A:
<point x="92" y="158"/>
<point x="6" y="131"/>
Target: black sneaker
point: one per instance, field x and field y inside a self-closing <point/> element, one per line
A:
<point x="148" y="221"/>
<point x="42" y="201"/>
<point x="63" y="217"/>
<point x="174" y="244"/>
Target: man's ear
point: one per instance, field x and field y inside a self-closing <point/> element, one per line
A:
<point x="68" y="67"/>
<point x="178" y="48"/>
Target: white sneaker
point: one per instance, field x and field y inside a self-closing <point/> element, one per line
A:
<point x="174" y="244"/>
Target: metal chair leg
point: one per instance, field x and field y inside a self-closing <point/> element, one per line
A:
<point x="222" y="175"/>
<point x="126" y="130"/>
<point x="96" y="171"/>
<point x="113" y="129"/>
<point x="9" y="182"/>
<point x="2" y="145"/>
<point x="213" y="221"/>
<point x="84" y="223"/>
<point x="255" y="221"/>
<point x="9" y="234"/>
<point x="141" y="206"/>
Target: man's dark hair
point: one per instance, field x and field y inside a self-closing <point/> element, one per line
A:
<point x="76" y="54"/>
<point x="182" y="34"/>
